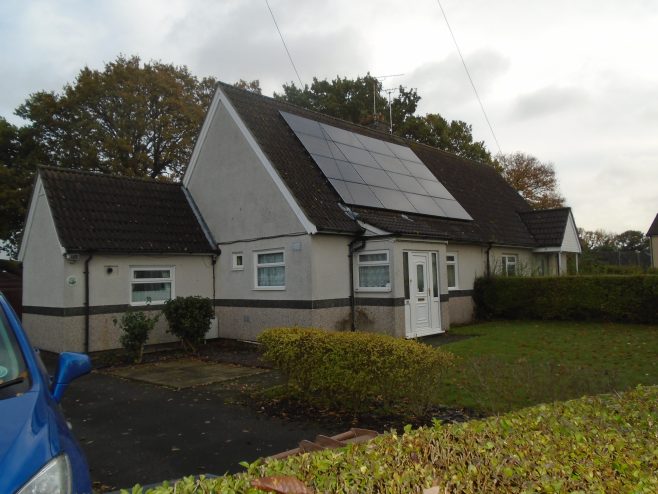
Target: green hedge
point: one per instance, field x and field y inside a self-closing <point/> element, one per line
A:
<point x="603" y="443"/>
<point x="355" y="371"/>
<point x="596" y="298"/>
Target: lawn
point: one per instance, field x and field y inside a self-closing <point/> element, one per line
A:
<point x="509" y="365"/>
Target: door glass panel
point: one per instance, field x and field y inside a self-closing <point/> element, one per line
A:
<point x="435" y="277"/>
<point x="405" y="270"/>
<point x="420" y="277"/>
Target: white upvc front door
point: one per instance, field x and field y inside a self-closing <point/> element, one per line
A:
<point x="423" y="315"/>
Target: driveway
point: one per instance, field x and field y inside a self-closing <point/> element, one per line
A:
<point x="135" y="432"/>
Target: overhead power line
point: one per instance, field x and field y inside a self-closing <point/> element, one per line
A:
<point x="301" y="84"/>
<point x="454" y="39"/>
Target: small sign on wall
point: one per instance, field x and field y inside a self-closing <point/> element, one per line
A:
<point x="71" y="280"/>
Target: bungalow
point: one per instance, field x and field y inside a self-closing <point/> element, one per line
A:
<point x="284" y="217"/>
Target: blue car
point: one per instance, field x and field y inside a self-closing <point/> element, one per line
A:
<point x="38" y="453"/>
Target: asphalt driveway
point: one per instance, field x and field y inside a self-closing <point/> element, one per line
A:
<point x="134" y="432"/>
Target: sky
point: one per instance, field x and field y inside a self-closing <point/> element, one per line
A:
<point x="572" y="82"/>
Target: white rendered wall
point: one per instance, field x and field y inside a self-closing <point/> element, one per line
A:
<point x="44" y="267"/>
<point x="235" y="194"/>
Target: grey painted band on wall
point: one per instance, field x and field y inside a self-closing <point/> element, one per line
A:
<point x="460" y="293"/>
<point x="80" y="311"/>
<point x="247" y="303"/>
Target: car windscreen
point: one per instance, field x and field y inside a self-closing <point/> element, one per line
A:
<point x="14" y="376"/>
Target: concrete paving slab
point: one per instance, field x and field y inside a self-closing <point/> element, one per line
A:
<point x="184" y="373"/>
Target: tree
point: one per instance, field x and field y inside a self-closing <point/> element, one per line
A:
<point x="631" y="240"/>
<point x="455" y="137"/>
<point x="253" y="86"/>
<point x="351" y="99"/>
<point x="129" y="119"/>
<point x="534" y="180"/>
<point x="18" y="158"/>
<point x="596" y="240"/>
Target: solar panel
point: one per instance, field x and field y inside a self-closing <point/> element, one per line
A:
<point x="374" y="173"/>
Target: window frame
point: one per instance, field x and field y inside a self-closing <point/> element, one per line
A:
<point x="234" y="264"/>
<point x="142" y="281"/>
<point x="269" y="265"/>
<point x="359" y="263"/>
<point x="455" y="263"/>
<point x="505" y="264"/>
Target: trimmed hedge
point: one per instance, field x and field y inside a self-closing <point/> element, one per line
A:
<point x="355" y="371"/>
<point x="632" y="299"/>
<point x="605" y="443"/>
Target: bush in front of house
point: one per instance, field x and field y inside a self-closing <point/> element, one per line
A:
<point x="632" y="299"/>
<point x="356" y="371"/>
<point x="135" y="327"/>
<point x="189" y="319"/>
<point x="604" y="443"/>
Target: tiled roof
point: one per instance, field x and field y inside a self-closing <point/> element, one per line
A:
<point x="547" y="225"/>
<point x="103" y="213"/>
<point x="653" y="229"/>
<point x="491" y="202"/>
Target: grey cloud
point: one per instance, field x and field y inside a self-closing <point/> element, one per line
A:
<point x="445" y="83"/>
<point x="243" y="43"/>
<point x="546" y="101"/>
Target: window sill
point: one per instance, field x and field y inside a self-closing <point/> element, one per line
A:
<point x="373" y="290"/>
<point x="270" y="288"/>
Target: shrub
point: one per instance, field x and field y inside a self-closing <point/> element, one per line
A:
<point x="594" y="298"/>
<point x="189" y="319"/>
<point x="356" y="371"/>
<point x="604" y="443"/>
<point x="136" y="327"/>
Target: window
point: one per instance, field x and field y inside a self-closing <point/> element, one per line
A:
<point x="374" y="274"/>
<point x="270" y="270"/>
<point x="151" y="285"/>
<point x="435" y="276"/>
<point x="509" y="265"/>
<point x="453" y="270"/>
<point x="238" y="261"/>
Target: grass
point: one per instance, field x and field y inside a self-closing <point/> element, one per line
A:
<point x="510" y="365"/>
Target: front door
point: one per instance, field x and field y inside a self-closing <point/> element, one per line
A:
<point x="422" y="301"/>
<point x="421" y="314"/>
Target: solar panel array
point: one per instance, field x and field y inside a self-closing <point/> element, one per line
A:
<point x="374" y="173"/>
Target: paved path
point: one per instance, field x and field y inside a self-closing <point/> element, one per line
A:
<point x="136" y="432"/>
<point x="185" y="372"/>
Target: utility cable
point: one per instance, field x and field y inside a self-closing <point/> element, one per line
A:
<point x="301" y="85"/>
<point x="454" y="39"/>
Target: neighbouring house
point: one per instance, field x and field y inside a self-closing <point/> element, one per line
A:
<point x="284" y="217"/>
<point x="653" y="242"/>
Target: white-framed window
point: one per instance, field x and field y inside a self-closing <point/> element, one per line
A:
<point x="509" y="264"/>
<point x="270" y="270"/>
<point x="238" y="261"/>
<point x="452" y="265"/>
<point x="374" y="271"/>
<point x="151" y="284"/>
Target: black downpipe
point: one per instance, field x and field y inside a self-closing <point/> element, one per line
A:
<point x="87" y="308"/>
<point x="213" y="260"/>
<point x="353" y="247"/>
<point x="489" y="259"/>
